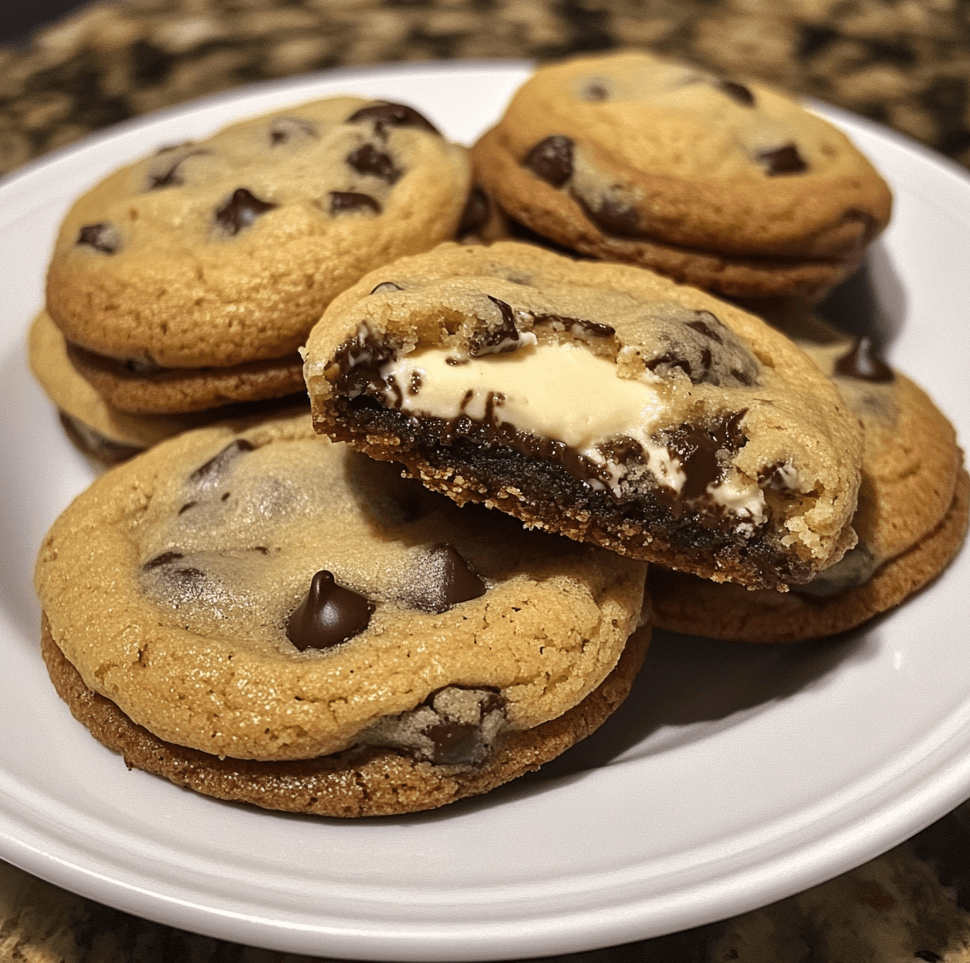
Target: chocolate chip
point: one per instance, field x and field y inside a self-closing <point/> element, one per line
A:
<point x="385" y="287"/>
<point x="171" y="175"/>
<point x="216" y="466"/>
<point x="737" y="92"/>
<point x="241" y="211"/>
<point x="185" y="576"/>
<point x="165" y="558"/>
<point x="551" y="160"/>
<point x="703" y="326"/>
<point x="476" y="213"/>
<point x="370" y="160"/>
<point x="102" y="237"/>
<point x="384" y="113"/>
<point x="328" y="615"/>
<point x="595" y="90"/>
<point x="284" y="129"/>
<point x="343" y="201"/>
<point x="498" y="340"/>
<point x="454" y="581"/>
<point x="613" y="216"/>
<point x="697" y="446"/>
<point x="862" y="361"/>
<point x="782" y="160"/>
<point x="578" y="326"/>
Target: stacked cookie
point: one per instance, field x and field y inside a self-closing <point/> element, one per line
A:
<point x="185" y="283"/>
<point x="433" y="578"/>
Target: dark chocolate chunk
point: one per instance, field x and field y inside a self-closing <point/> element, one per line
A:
<point x="496" y="340"/>
<point x="460" y="743"/>
<point x="343" y="201"/>
<point x="457" y="582"/>
<point x="702" y="324"/>
<point x="171" y="174"/>
<point x="328" y="615"/>
<point x="102" y="237"/>
<point x="370" y="160"/>
<point x="551" y="160"/>
<point x="284" y="129"/>
<point x="613" y="216"/>
<point x="241" y="211"/>
<point x="384" y="113"/>
<point x="862" y="361"/>
<point x="596" y="90"/>
<point x="697" y="446"/>
<point x="476" y="213"/>
<point x="737" y="92"/>
<point x="593" y="329"/>
<point x="216" y="466"/>
<point x="782" y="160"/>
<point x="184" y="576"/>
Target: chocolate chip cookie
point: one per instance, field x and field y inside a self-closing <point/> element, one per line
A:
<point x="270" y="617"/>
<point x="601" y="401"/>
<point x="911" y="518"/>
<point x="727" y="185"/>
<point x="104" y="434"/>
<point x="189" y="279"/>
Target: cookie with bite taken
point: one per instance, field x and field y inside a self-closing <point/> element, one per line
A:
<point x="911" y="519"/>
<point x="267" y="617"/>
<point x="730" y="186"/>
<point x="600" y="401"/>
<point x="189" y="279"/>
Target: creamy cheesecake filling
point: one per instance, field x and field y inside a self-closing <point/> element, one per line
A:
<point x="565" y="393"/>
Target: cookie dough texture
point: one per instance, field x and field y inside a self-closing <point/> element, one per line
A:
<point x="224" y="251"/>
<point x="170" y="584"/>
<point x="911" y="519"/>
<point x="730" y="186"/>
<point x="679" y="429"/>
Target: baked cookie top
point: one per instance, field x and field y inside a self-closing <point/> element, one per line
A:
<point x="643" y="147"/>
<point x="670" y="426"/>
<point x="226" y="250"/>
<point x="265" y="594"/>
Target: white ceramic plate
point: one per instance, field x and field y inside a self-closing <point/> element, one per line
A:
<point x="733" y="777"/>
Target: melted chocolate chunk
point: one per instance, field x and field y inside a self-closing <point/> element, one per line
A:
<point x="782" y="160"/>
<point x="343" y="201"/>
<point x="707" y="352"/>
<point x="185" y="577"/>
<point x="284" y="129"/>
<point x="241" y="211"/>
<point x="370" y="160"/>
<point x="102" y="237"/>
<point x="215" y="467"/>
<point x="862" y="361"/>
<point x="498" y="340"/>
<point x="171" y="176"/>
<point x="460" y="743"/>
<point x="737" y="92"/>
<point x="454" y="581"/>
<point x="613" y="216"/>
<point x="384" y="113"/>
<point x="551" y="160"/>
<point x="328" y="615"/>
<point x="476" y="213"/>
<point x="698" y="447"/>
<point x="385" y="287"/>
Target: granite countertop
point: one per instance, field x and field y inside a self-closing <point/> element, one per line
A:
<point x="904" y="63"/>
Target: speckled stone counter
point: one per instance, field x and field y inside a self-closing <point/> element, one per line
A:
<point x="905" y="63"/>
